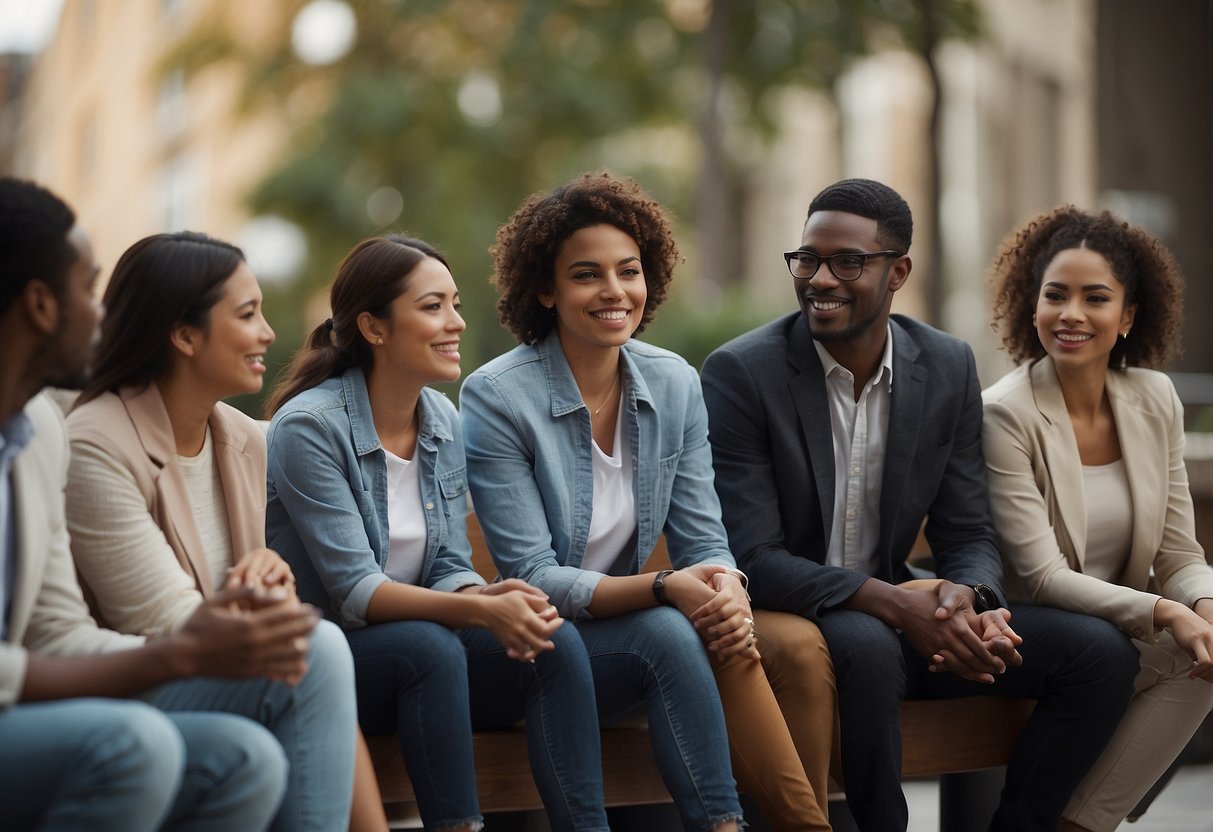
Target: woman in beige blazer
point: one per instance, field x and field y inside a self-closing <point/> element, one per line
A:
<point x="166" y="503"/>
<point x="1084" y="447"/>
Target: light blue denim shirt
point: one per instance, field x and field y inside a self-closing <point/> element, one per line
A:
<point x="327" y="492"/>
<point x="530" y="466"/>
<point x="15" y="433"/>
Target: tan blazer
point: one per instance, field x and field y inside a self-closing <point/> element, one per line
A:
<point x="1036" y="496"/>
<point x="132" y="427"/>
<point x="48" y="613"/>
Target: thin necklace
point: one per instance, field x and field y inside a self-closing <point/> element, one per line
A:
<point x="608" y="395"/>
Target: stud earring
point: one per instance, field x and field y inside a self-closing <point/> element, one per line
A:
<point x="1124" y="336"/>
<point x="379" y="341"/>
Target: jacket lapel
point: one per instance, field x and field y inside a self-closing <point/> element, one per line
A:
<point x="1146" y="459"/>
<point x="906" y="404"/>
<point x="807" y="388"/>
<point x="1060" y="450"/>
<point x="31" y="538"/>
<point x="243" y="496"/>
<point x="176" y="518"/>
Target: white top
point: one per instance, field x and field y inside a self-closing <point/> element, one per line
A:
<point x="613" y="517"/>
<point x="405" y="520"/>
<point x="1109" y="520"/>
<point x="205" y="491"/>
<point x="861" y="432"/>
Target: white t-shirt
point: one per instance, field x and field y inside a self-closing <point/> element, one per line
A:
<point x="1109" y="520"/>
<point x="205" y="490"/>
<point x="405" y="520"/>
<point x="613" y="520"/>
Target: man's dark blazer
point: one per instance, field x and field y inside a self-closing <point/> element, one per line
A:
<point x="773" y="452"/>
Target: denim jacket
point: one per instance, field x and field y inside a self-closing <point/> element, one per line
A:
<point x="327" y="496"/>
<point x="530" y="465"/>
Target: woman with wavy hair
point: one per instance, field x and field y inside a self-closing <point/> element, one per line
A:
<point x="1084" y="445"/>
<point x="584" y="445"/>
<point x="368" y="503"/>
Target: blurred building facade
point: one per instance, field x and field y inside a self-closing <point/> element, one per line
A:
<point x="1096" y="102"/>
<point x="133" y="146"/>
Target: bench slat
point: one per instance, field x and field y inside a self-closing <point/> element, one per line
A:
<point x="938" y="737"/>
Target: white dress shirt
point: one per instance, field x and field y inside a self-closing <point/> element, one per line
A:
<point x="860" y="430"/>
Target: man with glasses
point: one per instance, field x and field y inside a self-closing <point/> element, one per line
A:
<point x="839" y="429"/>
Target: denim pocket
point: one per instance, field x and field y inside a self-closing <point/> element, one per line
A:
<point x="453" y="485"/>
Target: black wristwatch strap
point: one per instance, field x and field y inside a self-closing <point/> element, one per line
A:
<point x="985" y="599"/>
<point x="659" y="586"/>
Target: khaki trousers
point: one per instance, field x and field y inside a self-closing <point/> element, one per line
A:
<point x="1166" y="709"/>
<point x="781" y="718"/>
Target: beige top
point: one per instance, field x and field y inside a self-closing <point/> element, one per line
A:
<point x="205" y="489"/>
<point x="1109" y="519"/>
<point x="137" y="545"/>
<point x="48" y="614"/>
<point x="1040" y="514"/>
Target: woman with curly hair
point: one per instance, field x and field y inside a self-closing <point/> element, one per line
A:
<point x="585" y="445"/>
<point x="1084" y="446"/>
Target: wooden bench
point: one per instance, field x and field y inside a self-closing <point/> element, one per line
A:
<point x="940" y="736"/>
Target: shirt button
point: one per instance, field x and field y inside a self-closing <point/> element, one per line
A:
<point x="855" y="470"/>
<point x="429" y="506"/>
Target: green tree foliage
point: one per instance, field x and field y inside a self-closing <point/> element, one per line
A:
<point x="467" y="106"/>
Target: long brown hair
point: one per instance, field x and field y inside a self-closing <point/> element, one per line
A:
<point x="160" y="282"/>
<point x="369" y="278"/>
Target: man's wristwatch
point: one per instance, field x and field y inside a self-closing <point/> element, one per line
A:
<point x="985" y="599"/>
<point x="659" y="586"/>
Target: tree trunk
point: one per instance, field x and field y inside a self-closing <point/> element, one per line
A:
<point x="936" y="293"/>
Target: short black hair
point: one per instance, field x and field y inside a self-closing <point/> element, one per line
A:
<point x="34" y="224"/>
<point x="874" y="200"/>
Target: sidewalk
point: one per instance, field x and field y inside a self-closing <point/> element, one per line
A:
<point x="1186" y="805"/>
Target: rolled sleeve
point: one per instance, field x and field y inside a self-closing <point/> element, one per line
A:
<point x="509" y="502"/>
<point x="308" y="477"/>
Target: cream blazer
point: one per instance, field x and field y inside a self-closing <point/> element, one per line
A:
<point x="1036" y="496"/>
<point x="126" y="483"/>
<point x="48" y="613"/>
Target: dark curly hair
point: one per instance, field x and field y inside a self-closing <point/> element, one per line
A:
<point x="1148" y="271"/>
<point x="524" y="255"/>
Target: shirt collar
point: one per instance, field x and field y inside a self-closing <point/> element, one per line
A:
<point x="885" y="373"/>
<point x="362" y="421"/>
<point x="15" y="433"/>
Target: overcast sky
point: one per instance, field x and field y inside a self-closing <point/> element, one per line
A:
<point x="26" y="25"/>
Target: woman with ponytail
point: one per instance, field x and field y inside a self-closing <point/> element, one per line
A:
<point x="367" y="490"/>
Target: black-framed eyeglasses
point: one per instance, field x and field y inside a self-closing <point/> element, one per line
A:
<point x="845" y="265"/>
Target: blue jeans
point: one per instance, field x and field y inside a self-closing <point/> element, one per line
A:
<point x="1080" y="669"/>
<point x="433" y="686"/>
<point x="653" y="662"/>
<point x="313" y="721"/>
<point x="104" y="764"/>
